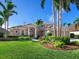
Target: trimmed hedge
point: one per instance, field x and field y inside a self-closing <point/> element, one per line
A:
<point x="16" y="38"/>
<point x="13" y="36"/>
<point x="22" y="38"/>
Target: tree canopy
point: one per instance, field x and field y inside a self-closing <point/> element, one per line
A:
<point x="65" y="4"/>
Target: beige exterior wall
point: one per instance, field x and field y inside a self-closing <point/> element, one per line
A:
<point x="23" y="30"/>
<point x="74" y="27"/>
<point x="66" y="31"/>
<point x="27" y="30"/>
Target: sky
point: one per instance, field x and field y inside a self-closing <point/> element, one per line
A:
<point x="30" y="10"/>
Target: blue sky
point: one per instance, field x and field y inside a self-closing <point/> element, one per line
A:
<point x="30" y="10"/>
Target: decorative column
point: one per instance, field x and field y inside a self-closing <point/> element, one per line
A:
<point x="28" y="31"/>
<point x="35" y="32"/>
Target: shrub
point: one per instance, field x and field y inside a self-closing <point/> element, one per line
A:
<point x="13" y="36"/>
<point x="52" y="38"/>
<point x="16" y="38"/>
<point x="49" y="34"/>
<point x="44" y="41"/>
<point x="66" y="40"/>
<point x="47" y="38"/>
<point x="22" y="38"/>
<point x="42" y="38"/>
<point x="75" y="43"/>
<point x="55" y="38"/>
<point x="58" y="44"/>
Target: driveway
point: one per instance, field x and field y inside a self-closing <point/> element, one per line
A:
<point x="71" y="40"/>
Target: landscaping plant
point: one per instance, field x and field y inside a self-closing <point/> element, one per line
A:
<point x="59" y="44"/>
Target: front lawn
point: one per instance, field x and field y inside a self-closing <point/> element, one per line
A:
<point x="32" y="50"/>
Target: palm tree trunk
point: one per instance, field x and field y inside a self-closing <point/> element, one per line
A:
<point x="60" y="18"/>
<point x="7" y="27"/>
<point x="64" y="31"/>
<point x="53" y="12"/>
<point x="5" y="31"/>
<point x="57" y="22"/>
<point x="7" y="24"/>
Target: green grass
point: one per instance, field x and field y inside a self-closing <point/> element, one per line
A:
<point x="32" y="50"/>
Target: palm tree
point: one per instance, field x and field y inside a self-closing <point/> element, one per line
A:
<point x="59" y="4"/>
<point x="39" y="22"/>
<point x="76" y="22"/>
<point x="53" y="11"/>
<point x="1" y="22"/>
<point x="8" y="10"/>
<point x="39" y="25"/>
<point x="60" y="18"/>
<point x="69" y="24"/>
<point x="54" y="21"/>
<point x="65" y="27"/>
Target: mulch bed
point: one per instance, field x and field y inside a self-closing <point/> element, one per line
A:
<point x="66" y="47"/>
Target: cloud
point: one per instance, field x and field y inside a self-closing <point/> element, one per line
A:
<point x="51" y="18"/>
<point x="3" y="26"/>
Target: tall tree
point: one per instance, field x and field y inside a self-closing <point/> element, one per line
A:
<point x="53" y="14"/>
<point x="8" y="10"/>
<point x="76" y="22"/>
<point x="1" y="22"/>
<point x="66" y="28"/>
<point x="59" y="4"/>
<point x="39" y="22"/>
<point x="54" y="20"/>
<point x="39" y="26"/>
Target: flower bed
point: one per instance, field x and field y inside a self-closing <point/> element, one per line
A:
<point x="66" y="47"/>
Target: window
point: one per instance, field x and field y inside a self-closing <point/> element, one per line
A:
<point x="72" y="35"/>
<point x="22" y="32"/>
<point x="16" y="31"/>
